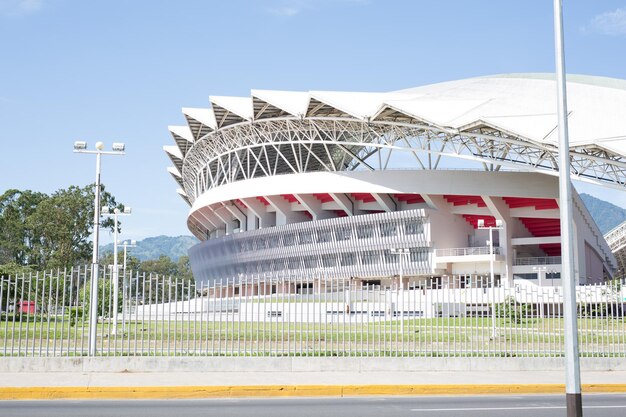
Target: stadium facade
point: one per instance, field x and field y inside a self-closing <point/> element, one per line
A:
<point x="369" y="186"/>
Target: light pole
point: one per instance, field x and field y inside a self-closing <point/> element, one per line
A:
<point x="118" y="149"/>
<point x="498" y="226"/>
<point x="115" y="273"/>
<point x="573" y="397"/>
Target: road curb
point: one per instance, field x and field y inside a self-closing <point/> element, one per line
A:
<point x="191" y="392"/>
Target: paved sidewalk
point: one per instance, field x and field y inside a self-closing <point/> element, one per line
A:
<point x="165" y="379"/>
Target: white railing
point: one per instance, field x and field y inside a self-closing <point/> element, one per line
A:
<point x="45" y="315"/>
<point x="538" y="260"/>
<point x="469" y="251"/>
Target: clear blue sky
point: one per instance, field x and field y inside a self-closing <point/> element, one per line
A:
<point x="122" y="71"/>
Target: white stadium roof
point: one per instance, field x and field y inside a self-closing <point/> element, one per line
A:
<point x="522" y="104"/>
<point x="507" y="120"/>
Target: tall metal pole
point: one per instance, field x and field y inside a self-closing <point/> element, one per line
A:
<point x="115" y="271"/>
<point x="93" y="294"/>
<point x="572" y="365"/>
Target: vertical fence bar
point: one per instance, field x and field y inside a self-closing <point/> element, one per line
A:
<point x="63" y="305"/>
<point x="6" y="297"/>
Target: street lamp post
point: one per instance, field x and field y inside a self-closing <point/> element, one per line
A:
<point x="118" y="149"/>
<point x="572" y="361"/>
<point x="498" y="226"/>
<point x="115" y="273"/>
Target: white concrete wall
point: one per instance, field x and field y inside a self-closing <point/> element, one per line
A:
<point x="296" y="364"/>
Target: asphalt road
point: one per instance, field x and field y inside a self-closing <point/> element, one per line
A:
<point x="595" y="405"/>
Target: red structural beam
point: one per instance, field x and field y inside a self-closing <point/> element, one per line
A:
<point x="290" y="198"/>
<point x="323" y="197"/>
<point x="465" y="200"/>
<point x="472" y="219"/>
<point x="409" y="198"/>
<point x="537" y="203"/>
<point x="364" y="197"/>
<point x="340" y="213"/>
<point x="542" y="227"/>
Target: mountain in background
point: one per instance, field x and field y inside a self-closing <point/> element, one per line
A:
<point x="606" y="215"/>
<point x="154" y="247"/>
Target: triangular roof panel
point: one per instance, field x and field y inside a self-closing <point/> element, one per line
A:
<point x="360" y="105"/>
<point x="293" y="102"/>
<point x="230" y="110"/>
<point x="200" y="121"/>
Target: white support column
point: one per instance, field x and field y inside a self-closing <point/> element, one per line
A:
<point x="260" y="210"/>
<point x="430" y="202"/>
<point x="345" y="203"/>
<point x="238" y="214"/>
<point x="207" y="221"/>
<point x="385" y="201"/>
<point x="226" y="218"/>
<point x="500" y="210"/>
<point x="284" y="213"/>
<point x="314" y="206"/>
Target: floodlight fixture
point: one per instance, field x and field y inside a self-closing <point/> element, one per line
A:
<point x="80" y="145"/>
<point x="99" y="145"/>
<point x="118" y="147"/>
<point x="127" y="210"/>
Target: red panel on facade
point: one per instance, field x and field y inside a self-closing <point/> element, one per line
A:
<point x="241" y="203"/>
<point x="263" y="200"/>
<point x="340" y="213"/>
<point x="473" y="220"/>
<point x="537" y="203"/>
<point x="290" y="197"/>
<point x="542" y="227"/>
<point x="364" y="197"/>
<point x="323" y="198"/>
<point x="465" y="200"/>
<point x="409" y="198"/>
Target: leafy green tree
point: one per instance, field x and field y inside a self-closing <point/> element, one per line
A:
<point x="16" y="239"/>
<point x="50" y="231"/>
<point x="163" y="266"/>
<point x="105" y="299"/>
<point x="184" y="268"/>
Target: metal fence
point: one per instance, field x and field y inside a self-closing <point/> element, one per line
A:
<point x="47" y="315"/>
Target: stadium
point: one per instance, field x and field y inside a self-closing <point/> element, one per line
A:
<point x="405" y="186"/>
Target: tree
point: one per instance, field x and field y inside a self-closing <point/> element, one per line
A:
<point x="184" y="268"/>
<point x="49" y="231"/>
<point x="16" y="238"/>
<point x="162" y="266"/>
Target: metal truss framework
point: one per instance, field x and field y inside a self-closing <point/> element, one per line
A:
<point x="616" y="239"/>
<point x="289" y="145"/>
